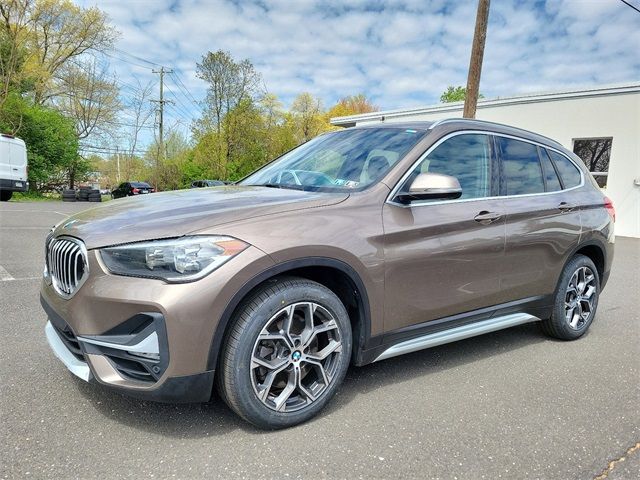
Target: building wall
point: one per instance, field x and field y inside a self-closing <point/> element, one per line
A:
<point x="616" y="116"/>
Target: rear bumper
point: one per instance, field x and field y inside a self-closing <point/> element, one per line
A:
<point x="14" y="185"/>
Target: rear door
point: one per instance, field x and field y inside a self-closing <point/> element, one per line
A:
<point x="543" y="225"/>
<point x="445" y="257"/>
<point x="18" y="159"/>
<point x="5" y="159"/>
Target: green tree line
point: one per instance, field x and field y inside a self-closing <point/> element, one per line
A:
<point x="56" y="96"/>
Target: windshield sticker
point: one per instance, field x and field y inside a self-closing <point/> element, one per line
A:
<point x="346" y="183"/>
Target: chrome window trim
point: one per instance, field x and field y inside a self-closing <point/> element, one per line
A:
<point x="85" y="274"/>
<point x="398" y="185"/>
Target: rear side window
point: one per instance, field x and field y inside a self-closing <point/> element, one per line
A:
<point x="569" y="173"/>
<point x="521" y="167"/>
<point x="550" y="175"/>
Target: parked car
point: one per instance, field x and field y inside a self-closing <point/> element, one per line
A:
<point x="206" y="183"/>
<point x="13" y="167"/>
<point x="429" y="233"/>
<point x="130" y="189"/>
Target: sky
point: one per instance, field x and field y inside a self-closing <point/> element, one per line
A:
<point x="399" y="53"/>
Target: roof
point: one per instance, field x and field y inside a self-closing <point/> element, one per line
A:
<point x="466" y="124"/>
<point x="351" y="120"/>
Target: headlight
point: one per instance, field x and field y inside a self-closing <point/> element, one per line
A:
<point x="176" y="260"/>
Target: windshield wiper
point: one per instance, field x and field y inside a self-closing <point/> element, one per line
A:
<point x="288" y="186"/>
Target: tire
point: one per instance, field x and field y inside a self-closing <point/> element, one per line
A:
<point x="68" y="199"/>
<point x="5" y="195"/>
<point x="95" y="199"/>
<point x="575" y="301"/>
<point x="300" y="384"/>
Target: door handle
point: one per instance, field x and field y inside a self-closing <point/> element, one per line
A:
<point x="485" y="217"/>
<point x="566" y="207"/>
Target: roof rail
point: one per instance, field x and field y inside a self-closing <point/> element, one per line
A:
<point x="486" y="122"/>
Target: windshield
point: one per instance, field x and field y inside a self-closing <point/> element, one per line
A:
<point x="343" y="160"/>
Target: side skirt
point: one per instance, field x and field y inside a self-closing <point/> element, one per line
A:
<point x="456" y="333"/>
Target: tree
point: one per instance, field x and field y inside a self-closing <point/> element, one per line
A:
<point x="61" y="31"/>
<point x="594" y="152"/>
<point x="52" y="148"/>
<point x="13" y="51"/>
<point x="352" y="105"/>
<point x="455" y="94"/>
<point x="90" y="98"/>
<point x="279" y="127"/>
<point x="230" y="82"/>
<point x="307" y="115"/>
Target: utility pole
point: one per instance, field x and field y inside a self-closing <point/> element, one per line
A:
<point x="475" y="63"/>
<point x="118" y="163"/>
<point x="161" y="103"/>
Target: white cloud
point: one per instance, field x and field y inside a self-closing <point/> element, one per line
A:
<point x="401" y="53"/>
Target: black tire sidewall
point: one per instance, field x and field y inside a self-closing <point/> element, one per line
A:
<point x="260" y="309"/>
<point x="558" y="321"/>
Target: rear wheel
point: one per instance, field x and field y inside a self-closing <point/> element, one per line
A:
<point x="286" y="354"/>
<point x="5" y="195"/>
<point x="576" y="300"/>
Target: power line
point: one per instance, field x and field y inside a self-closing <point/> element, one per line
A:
<point x="179" y="106"/>
<point x="630" y="5"/>
<point x="185" y="91"/>
<point x="137" y="58"/>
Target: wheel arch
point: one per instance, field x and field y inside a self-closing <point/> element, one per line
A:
<point x="594" y="251"/>
<point x="334" y="274"/>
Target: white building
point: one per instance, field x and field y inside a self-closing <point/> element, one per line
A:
<point x="574" y="118"/>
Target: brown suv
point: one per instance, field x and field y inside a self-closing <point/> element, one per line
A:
<point x="357" y="246"/>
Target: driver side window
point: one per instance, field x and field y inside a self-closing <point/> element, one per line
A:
<point x="466" y="157"/>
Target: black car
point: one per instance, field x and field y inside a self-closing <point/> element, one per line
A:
<point x="206" y="183"/>
<point x="129" y="189"/>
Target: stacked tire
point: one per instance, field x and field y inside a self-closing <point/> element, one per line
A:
<point x="83" y="194"/>
<point x="94" y="196"/>
<point x="68" y="195"/>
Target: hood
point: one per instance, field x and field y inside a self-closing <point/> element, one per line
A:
<point x="177" y="213"/>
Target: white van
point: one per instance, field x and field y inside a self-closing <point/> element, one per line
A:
<point x="13" y="166"/>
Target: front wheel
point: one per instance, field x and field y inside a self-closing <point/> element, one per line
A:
<point x="576" y="300"/>
<point x="286" y="354"/>
<point x="5" y="195"/>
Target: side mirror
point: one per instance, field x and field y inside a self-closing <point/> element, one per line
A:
<point x="431" y="186"/>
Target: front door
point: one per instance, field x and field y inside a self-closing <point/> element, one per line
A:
<point x="444" y="258"/>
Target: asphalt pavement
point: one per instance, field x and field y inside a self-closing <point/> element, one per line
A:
<point x="512" y="404"/>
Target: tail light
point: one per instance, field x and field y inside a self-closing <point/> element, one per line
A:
<point x="135" y="191"/>
<point x="608" y="204"/>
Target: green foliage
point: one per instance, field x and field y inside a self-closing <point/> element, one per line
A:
<point x="52" y="143"/>
<point x="455" y="94"/>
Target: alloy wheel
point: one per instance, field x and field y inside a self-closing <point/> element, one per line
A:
<point x="580" y="297"/>
<point x="295" y="357"/>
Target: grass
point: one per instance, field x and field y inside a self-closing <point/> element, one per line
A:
<point x="31" y="196"/>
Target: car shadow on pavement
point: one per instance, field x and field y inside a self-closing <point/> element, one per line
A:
<point x="216" y="419"/>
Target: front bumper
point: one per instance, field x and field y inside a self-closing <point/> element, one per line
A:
<point x="78" y="360"/>
<point x="189" y="388"/>
<point x="93" y="334"/>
